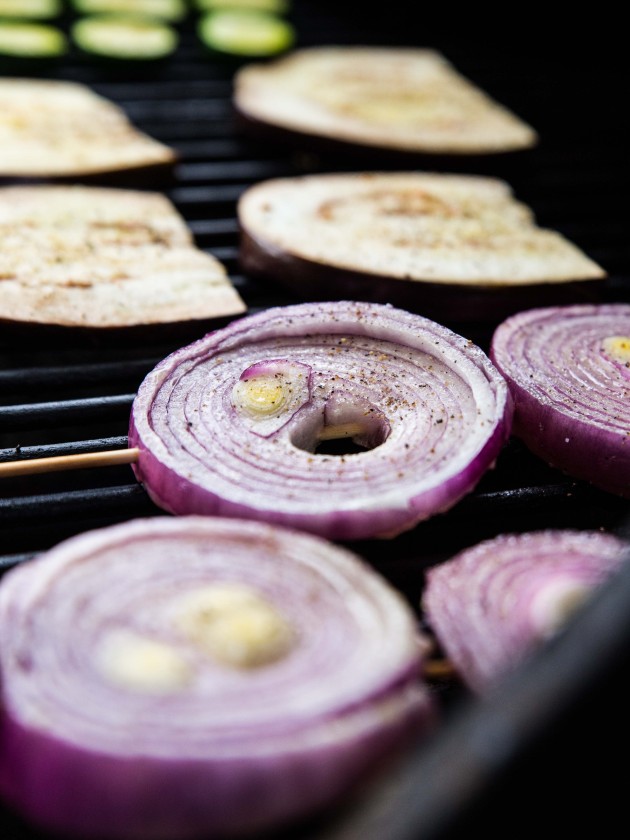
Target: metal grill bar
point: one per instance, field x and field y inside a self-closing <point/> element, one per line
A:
<point x="127" y="500"/>
<point x="64" y="411"/>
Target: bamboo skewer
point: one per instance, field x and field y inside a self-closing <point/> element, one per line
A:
<point x="108" y="458"/>
<point x="435" y="669"/>
<point x="114" y="457"/>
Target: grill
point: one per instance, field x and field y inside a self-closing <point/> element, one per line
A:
<point x="75" y="396"/>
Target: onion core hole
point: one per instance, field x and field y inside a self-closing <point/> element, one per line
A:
<point x="348" y="429"/>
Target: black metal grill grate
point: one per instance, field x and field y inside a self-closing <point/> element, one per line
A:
<point x="75" y="397"/>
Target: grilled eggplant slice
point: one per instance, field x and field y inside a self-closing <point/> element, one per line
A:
<point x="97" y="258"/>
<point x="395" y="99"/>
<point x="63" y="130"/>
<point x="456" y="248"/>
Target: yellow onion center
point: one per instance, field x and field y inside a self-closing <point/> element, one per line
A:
<point x="617" y="348"/>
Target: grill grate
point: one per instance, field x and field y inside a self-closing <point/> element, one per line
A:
<point x="75" y="397"/>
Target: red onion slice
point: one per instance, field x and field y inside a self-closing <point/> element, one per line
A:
<point x="430" y="404"/>
<point x="493" y="604"/>
<point x="568" y="369"/>
<point x="199" y="678"/>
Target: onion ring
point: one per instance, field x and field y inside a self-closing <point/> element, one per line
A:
<point x="493" y="604"/>
<point x="568" y="369"/>
<point x="430" y="410"/>
<point x="194" y="677"/>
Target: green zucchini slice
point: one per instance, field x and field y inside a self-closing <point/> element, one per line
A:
<point x="25" y="40"/>
<point x="168" y="10"/>
<point x="125" y="37"/>
<point x="278" y="7"/>
<point x="30" y="9"/>
<point x="245" y="33"/>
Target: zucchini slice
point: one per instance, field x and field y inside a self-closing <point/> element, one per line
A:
<point x="26" y="40"/>
<point x="279" y="7"/>
<point x="30" y="9"/>
<point x="245" y="32"/>
<point x="168" y="10"/>
<point x="126" y="37"/>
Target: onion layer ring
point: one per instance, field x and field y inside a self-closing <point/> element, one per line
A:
<point x="569" y="375"/>
<point x="118" y="723"/>
<point x="430" y="408"/>
<point x="493" y="604"/>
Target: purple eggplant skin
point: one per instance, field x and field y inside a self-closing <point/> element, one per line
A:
<point x="150" y="177"/>
<point x="448" y="303"/>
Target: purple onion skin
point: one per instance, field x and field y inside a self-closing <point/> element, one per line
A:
<point x="480" y="603"/>
<point x="73" y="792"/>
<point x="561" y="432"/>
<point x="178" y="496"/>
<point x="172" y="488"/>
<point x="153" y="773"/>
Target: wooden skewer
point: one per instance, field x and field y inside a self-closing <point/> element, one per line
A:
<point x="341" y="430"/>
<point x="113" y="457"/>
<point x="439" y="669"/>
<point x="108" y="458"/>
<point x="434" y="669"/>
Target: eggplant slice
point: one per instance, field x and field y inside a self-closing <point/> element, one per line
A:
<point x="78" y="256"/>
<point x="63" y="130"/>
<point x="410" y="100"/>
<point x="452" y="247"/>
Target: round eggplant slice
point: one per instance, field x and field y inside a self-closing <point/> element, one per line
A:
<point x="245" y="32"/>
<point x="198" y="678"/>
<point x="455" y="248"/>
<point x="125" y="37"/>
<point x="237" y="423"/>
<point x="568" y="369"/>
<point x="400" y="99"/>
<point x="492" y="605"/>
